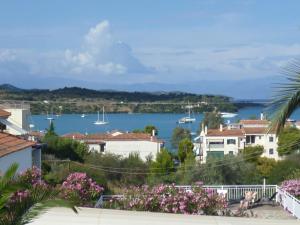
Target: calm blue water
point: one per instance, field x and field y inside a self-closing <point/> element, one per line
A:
<point x="128" y="122"/>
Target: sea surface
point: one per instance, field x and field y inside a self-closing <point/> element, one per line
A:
<point x="164" y="122"/>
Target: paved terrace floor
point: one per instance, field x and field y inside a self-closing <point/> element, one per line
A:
<point x="88" y="216"/>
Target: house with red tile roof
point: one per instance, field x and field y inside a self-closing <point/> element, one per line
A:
<point x="15" y="149"/>
<point x="120" y="143"/>
<point x="233" y="138"/>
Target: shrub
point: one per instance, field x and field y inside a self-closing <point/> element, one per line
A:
<point x="80" y="186"/>
<point x="292" y="187"/>
<point x="170" y="199"/>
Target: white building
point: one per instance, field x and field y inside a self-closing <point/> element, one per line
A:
<point x="15" y="118"/>
<point x="235" y="137"/>
<point x="121" y="143"/>
<point x="17" y="150"/>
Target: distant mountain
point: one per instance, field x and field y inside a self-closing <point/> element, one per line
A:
<point x="13" y="93"/>
<point x="9" y="87"/>
<point x="246" y="88"/>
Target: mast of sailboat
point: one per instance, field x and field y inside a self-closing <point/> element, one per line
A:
<point x="103" y="114"/>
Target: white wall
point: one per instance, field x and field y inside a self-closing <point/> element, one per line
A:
<point x="18" y="117"/>
<point x="124" y="148"/>
<point x="23" y="158"/>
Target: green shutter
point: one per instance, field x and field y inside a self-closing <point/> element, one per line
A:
<point x="215" y="154"/>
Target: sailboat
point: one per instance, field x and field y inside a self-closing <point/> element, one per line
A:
<point x="101" y="122"/>
<point x="49" y="117"/>
<point x="187" y="119"/>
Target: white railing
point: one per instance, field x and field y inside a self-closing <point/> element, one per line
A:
<point x="288" y="202"/>
<point x="236" y="192"/>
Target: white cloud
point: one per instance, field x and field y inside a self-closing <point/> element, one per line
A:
<point x="101" y="53"/>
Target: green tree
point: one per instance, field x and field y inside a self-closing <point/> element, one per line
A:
<point x="179" y="134"/>
<point x="288" y="141"/>
<point x="185" y="147"/>
<point x="265" y="166"/>
<point x="51" y="131"/>
<point x="252" y="153"/>
<point x="212" y="120"/>
<point x="149" y="128"/>
<point x="162" y="168"/>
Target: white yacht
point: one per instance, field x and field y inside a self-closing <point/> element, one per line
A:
<point x="101" y="122"/>
<point x="187" y="119"/>
<point x="228" y="115"/>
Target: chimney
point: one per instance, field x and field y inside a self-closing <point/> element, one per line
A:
<point x="205" y="130"/>
<point x="221" y="127"/>
<point x="153" y="133"/>
<point x="261" y="116"/>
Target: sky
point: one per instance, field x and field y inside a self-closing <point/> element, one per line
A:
<point x="232" y="47"/>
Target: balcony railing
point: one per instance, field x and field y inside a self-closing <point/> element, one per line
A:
<point x="218" y="146"/>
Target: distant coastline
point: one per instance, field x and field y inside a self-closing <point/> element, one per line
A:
<point x="70" y="100"/>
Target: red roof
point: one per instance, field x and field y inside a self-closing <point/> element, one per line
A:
<point x="254" y="122"/>
<point x="95" y="138"/>
<point x="4" y="113"/>
<point x="10" y="144"/>
<point x="225" y="132"/>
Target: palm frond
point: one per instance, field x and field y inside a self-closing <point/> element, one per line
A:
<point x="8" y="176"/>
<point x="38" y="202"/>
<point x="286" y="98"/>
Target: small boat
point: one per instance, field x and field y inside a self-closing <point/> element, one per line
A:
<point x="101" y="122"/>
<point x="228" y="115"/>
<point x="82" y="115"/>
<point x="49" y="117"/>
<point x="290" y="120"/>
<point x="187" y="119"/>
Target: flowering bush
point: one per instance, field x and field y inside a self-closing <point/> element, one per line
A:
<point x="32" y="177"/>
<point x="170" y="199"/>
<point x="292" y="187"/>
<point x="79" y="185"/>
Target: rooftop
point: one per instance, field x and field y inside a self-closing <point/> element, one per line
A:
<point x="92" y="216"/>
<point x="114" y="136"/>
<point x="10" y="144"/>
<point x="254" y="122"/>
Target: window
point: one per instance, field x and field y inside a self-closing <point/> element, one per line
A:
<point x="102" y="147"/>
<point x="271" y="151"/>
<point x="250" y="139"/>
<point x="230" y="152"/>
<point x="271" y="139"/>
<point x="231" y="141"/>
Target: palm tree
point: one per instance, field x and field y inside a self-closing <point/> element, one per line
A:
<point x="287" y="97"/>
<point x="24" y="211"/>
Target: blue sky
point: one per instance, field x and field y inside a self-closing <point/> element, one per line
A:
<point x="204" y="46"/>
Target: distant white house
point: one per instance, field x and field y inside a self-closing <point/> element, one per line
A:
<point x="14" y="149"/>
<point x="235" y="137"/>
<point x="121" y="143"/>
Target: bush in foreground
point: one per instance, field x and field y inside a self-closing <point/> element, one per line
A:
<point x="170" y="199"/>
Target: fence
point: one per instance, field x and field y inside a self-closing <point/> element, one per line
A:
<point x="236" y="192"/>
<point x="288" y="202"/>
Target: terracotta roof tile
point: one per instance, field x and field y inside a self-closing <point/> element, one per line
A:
<point x="225" y="132"/>
<point x="253" y="122"/>
<point x="10" y="144"/>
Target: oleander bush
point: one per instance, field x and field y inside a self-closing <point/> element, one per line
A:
<point x="292" y="187"/>
<point x="170" y="199"/>
<point x="80" y="186"/>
